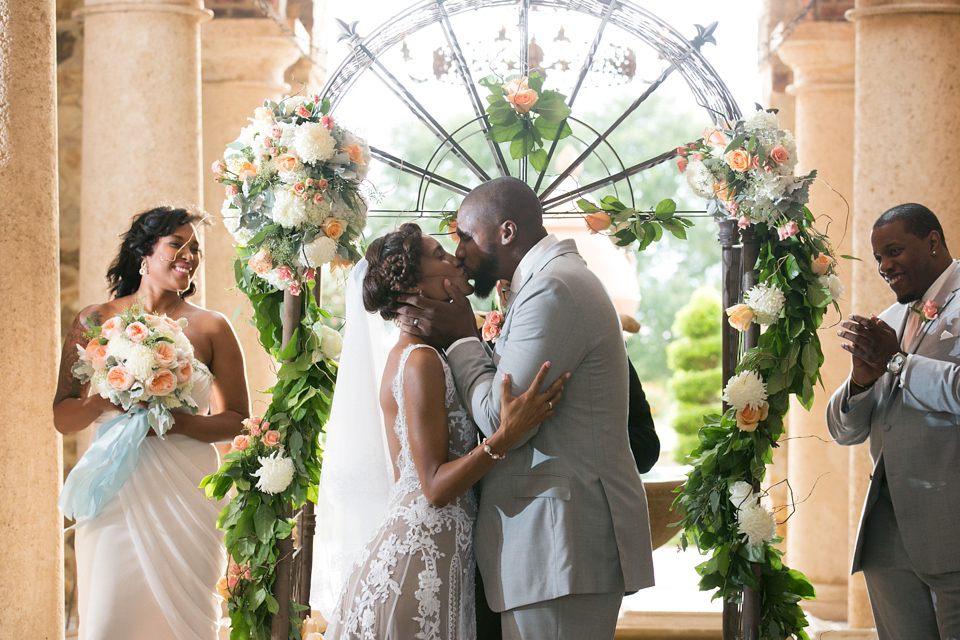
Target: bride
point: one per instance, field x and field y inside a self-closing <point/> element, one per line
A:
<point x="415" y="578"/>
<point x="148" y="563"/>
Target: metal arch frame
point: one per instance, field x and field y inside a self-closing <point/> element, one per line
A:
<point x="683" y="55"/>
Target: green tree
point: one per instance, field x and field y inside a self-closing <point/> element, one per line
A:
<point x="694" y="357"/>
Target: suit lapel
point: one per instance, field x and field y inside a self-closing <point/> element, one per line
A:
<point x="562" y="247"/>
<point x="943" y="298"/>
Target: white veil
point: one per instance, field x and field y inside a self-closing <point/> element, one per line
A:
<point x="357" y="472"/>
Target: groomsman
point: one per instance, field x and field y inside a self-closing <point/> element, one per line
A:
<point x="563" y="530"/>
<point x="904" y="395"/>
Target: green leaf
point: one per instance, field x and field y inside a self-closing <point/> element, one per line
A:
<point x="521" y="145"/>
<point x="809" y="359"/>
<point x="500" y="133"/>
<point x="586" y="205"/>
<point x="264" y="520"/>
<point x="665" y="209"/>
<point x="791" y="267"/>
<point x="538" y="159"/>
<point x="551" y="106"/>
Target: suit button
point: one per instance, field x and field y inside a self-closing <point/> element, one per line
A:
<point x="887" y="427"/>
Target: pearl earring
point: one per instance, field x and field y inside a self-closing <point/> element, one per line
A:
<point x="144" y="270"/>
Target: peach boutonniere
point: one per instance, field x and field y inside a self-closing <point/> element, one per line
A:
<point x="929" y="311"/>
<point x="491" y="326"/>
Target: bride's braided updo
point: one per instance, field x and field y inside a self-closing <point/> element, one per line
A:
<point x="393" y="268"/>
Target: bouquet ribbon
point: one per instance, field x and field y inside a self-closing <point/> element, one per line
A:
<point x="104" y="467"/>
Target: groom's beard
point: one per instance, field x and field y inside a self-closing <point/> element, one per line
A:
<point x="485" y="277"/>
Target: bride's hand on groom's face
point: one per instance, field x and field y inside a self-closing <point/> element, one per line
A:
<point x="440" y="323"/>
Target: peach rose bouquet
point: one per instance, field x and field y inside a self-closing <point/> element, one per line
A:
<point x="292" y="199"/>
<point x="139" y="357"/>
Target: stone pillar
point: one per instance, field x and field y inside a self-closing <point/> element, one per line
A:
<point x="243" y="64"/>
<point x="141" y="121"/>
<point x="821" y="55"/>
<point x="907" y="101"/>
<point x="31" y="528"/>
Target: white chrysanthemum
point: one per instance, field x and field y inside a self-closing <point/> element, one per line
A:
<point x="119" y="346"/>
<point x="318" y="252"/>
<point x="231" y="217"/>
<point x="182" y="343"/>
<point x="757" y="524"/>
<point x="832" y="282"/>
<point x="741" y="494"/>
<point x="140" y="361"/>
<point x="700" y="179"/>
<point x="313" y="143"/>
<point x="99" y="382"/>
<point x="289" y="210"/>
<point x="766" y="302"/>
<point x="761" y="121"/>
<point x="745" y="389"/>
<point x="243" y="236"/>
<point x="275" y="473"/>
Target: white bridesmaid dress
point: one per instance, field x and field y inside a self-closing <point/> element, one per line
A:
<point x="148" y="563"/>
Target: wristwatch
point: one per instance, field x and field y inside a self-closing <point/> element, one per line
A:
<point x="895" y="364"/>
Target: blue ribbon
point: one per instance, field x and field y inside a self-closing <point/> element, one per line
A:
<point x="104" y="467"/>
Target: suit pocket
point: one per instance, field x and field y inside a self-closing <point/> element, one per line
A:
<point x="541" y="486"/>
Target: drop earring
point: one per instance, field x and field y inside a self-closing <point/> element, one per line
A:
<point x="143" y="267"/>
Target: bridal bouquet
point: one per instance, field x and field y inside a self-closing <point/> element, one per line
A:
<point x="140" y="357"/>
<point x="292" y="200"/>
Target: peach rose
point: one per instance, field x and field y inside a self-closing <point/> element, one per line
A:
<point x="137" y="331"/>
<point x="598" y="221"/>
<point x="327" y="121"/>
<point x="184" y="371"/>
<point x="750" y="417"/>
<point x="714" y="136"/>
<point x="744" y="222"/>
<point x="161" y="383"/>
<point x="739" y="160"/>
<point x="165" y="353"/>
<point x="336" y="262"/>
<point x="172" y="324"/>
<point x="97" y="353"/>
<point x="255" y="424"/>
<point x="322" y="184"/>
<point x="821" y="264"/>
<point x="120" y="378"/>
<point x="682" y="164"/>
<point x="517" y="84"/>
<point x="333" y="227"/>
<point x="287" y="162"/>
<point x="491" y="326"/>
<point x="523" y="100"/>
<point x="779" y="154"/>
<point x="246" y="169"/>
<point x="303" y="112"/>
<point x="283" y="272"/>
<point x="294" y="288"/>
<point x="263" y="114"/>
<point x="930" y="310"/>
<point x="218" y="167"/>
<point x="110" y="327"/>
<point x="299" y="188"/>
<point x="231" y="190"/>
<point x="232" y="581"/>
<point x="261" y="262"/>
<point x="355" y="153"/>
<point x="223" y="589"/>
<point x="740" y="316"/>
<point x="788" y="230"/>
<point x="241" y="442"/>
<point x="271" y="438"/>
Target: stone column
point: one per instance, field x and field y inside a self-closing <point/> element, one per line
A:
<point x="243" y="64"/>
<point x="907" y="108"/>
<point x="821" y="55"/>
<point x="141" y="121"/>
<point x="31" y="528"/>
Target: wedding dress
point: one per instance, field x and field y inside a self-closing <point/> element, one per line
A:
<point x="415" y="578"/>
<point x="148" y="563"/>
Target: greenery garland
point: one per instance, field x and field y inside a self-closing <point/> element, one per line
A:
<point x="292" y="204"/>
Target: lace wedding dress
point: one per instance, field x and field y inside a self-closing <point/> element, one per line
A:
<point x="148" y="563"/>
<point x="415" y="578"/>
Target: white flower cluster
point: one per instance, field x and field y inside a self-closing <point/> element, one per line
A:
<point x="756" y="524"/>
<point x="331" y="342"/>
<point x="766" y="301"/>
<point x="275" y="473"/>
<point x="745" y="389"/>
<point x="313" y="143"/>
<point x="317" y="252"/>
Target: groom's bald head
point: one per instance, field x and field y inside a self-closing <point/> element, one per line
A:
<point x="505" y="199"/>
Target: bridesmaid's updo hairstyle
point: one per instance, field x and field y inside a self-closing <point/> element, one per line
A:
<point x="138" y="242"/>
<point x="393" y="268"/>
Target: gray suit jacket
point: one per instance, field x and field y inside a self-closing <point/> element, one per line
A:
<point x="913" y="423"/>
<point x="566" y="511"/>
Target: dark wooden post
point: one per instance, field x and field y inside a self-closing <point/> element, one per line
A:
<point x="283" y="583"/>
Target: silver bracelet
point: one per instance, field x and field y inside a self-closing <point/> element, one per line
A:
<point x="489" y="451"/>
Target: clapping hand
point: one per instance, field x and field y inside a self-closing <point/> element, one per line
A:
<point x="872" y="342"/>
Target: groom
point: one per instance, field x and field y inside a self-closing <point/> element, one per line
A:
<point x="562" y="531"/>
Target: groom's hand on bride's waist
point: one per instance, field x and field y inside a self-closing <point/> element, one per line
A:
<point x="439" y="322"/>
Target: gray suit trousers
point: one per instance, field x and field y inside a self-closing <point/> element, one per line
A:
<point x="579" y="616"/>
<point x="907" y="603"/>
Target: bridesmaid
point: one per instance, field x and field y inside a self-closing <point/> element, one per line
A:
<point x="148" y="563"/>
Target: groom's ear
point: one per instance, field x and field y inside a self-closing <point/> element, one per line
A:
<point x="508" y="232"/>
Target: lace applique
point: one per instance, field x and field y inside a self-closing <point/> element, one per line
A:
<point x="420" y="553"/>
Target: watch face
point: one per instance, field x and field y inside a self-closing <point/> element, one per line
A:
<point x="895" y="364"/>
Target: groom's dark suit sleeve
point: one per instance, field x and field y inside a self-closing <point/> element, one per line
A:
<point x="644" y="441"/>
